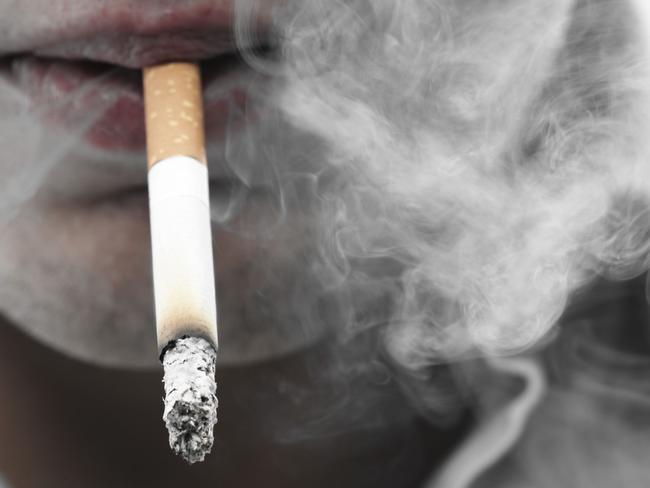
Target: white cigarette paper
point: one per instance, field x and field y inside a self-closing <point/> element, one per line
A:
<point x="181" y="246"/>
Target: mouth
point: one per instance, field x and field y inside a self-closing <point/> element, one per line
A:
<point x="84" y="76"/>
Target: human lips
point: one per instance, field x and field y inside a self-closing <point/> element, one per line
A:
<point x="84" y="73"/>
<point x="125" y="32"/>
<point x="104" y="102"/>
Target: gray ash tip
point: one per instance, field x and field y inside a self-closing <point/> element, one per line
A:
<point x="190" y="397"/>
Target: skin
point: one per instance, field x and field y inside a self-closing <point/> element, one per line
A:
<point x="96" y="226"/>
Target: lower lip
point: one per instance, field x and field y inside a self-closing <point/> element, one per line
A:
<point x="104" y="105"/>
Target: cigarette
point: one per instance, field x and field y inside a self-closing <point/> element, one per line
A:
<point x="181" y="249"/>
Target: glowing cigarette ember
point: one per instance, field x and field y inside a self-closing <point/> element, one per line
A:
<point x="181" y="244"/>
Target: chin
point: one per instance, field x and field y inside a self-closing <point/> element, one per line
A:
<point x="79" y="280"/>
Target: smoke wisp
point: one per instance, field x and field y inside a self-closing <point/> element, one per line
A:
<point x="475" y="162"/>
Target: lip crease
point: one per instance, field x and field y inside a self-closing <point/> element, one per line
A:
<point x="133" y="51"/>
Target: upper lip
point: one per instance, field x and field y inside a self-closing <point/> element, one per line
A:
<point x="133" y="34"/>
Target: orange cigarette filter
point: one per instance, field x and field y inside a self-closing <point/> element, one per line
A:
<point x="174" y="112"/>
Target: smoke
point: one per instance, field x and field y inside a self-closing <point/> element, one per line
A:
<point x="494" y="438"/>
<point x="494" y="152"/>
<point x="473" y="165"/>
<point x="592" y="426"/>
<point x="32" y="151"/>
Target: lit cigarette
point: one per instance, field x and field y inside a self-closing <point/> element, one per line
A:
<point x="181" y="247"/>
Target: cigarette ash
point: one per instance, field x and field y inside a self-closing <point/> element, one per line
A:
<point x="190" y="397"/>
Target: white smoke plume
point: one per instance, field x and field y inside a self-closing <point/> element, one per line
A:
<point x="474" y="164"/>
<point x="26" y="142"/>
<point x="496" y="152"/>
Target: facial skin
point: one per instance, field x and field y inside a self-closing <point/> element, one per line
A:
<point x="74" y="251"/>
<point x="75" y="255"/>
